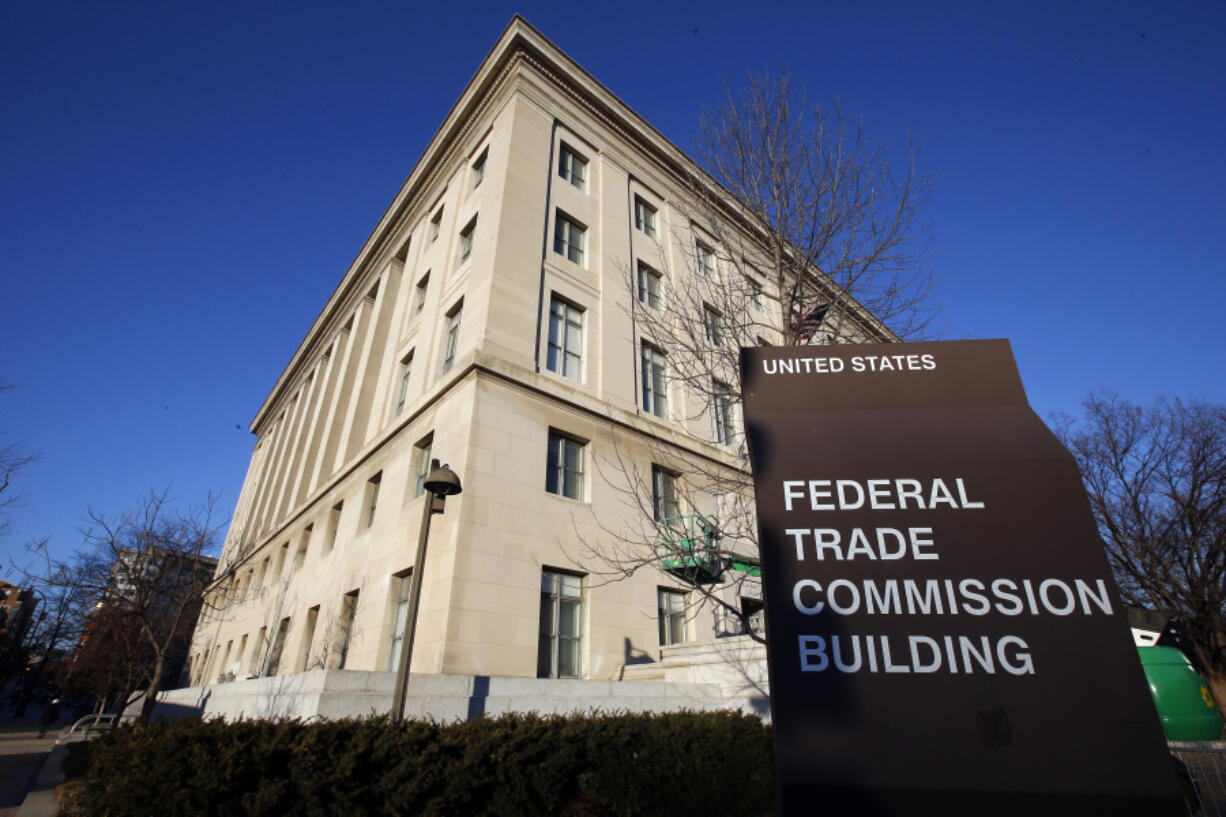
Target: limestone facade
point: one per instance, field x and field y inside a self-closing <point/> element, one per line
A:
<point x="517" y="225"/>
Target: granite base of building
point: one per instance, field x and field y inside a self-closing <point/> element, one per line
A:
<point x="728" y="674"/>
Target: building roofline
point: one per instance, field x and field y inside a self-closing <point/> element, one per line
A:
<point x="518" y="39"/>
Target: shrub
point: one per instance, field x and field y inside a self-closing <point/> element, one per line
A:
<point x="676" y="764"/>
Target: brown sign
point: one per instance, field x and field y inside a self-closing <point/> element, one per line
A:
<point x="943" y="631"/>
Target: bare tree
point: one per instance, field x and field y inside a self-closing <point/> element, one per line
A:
<point x="1156" y="478"/>
<point x="14" y="459"/>
<point x="146" y="573"/>
<point x="112" y="659"/>
<point x="801" y="231"/>
<point x="57" y="626"/>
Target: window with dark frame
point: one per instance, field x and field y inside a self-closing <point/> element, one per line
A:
<point x="671" y="608"/>
<point x="422" y="469"/>
<point x="349" y="612"/>
<point x="649" y="285"/>
<point x="436" y="225"/>
<point x="565" y="348"/>
<point x="451" y="339"/>
<point x="721" y="408"/>
<point x="572" y="167"/>
<point x="568" y="238"/>
<point x="655" y="397"/>
<point x="666" y="500"/>
<point x="706" y="259"/>
<point x="402" y="390"/>
<point x="372" y="497"/>
<point x="559" y="648"/>
<point x="466" y="239"/>
<point x="402" y="582"/>
<point x="644" y="217"/>
<point x="419" y="300"/>
<point x="711" y="325"/>
<point x="564" y="469"/>
<point x="478" y="169"/>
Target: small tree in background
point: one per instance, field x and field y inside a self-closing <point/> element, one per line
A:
<point x="144" y="574"/>
<point x="1156" y="478"/>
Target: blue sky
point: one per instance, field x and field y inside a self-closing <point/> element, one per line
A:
<point x="184" y="185"/>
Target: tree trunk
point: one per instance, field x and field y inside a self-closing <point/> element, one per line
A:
<point x="151" y="692"/>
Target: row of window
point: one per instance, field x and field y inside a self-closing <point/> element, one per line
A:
<point x="570" y="234"/>
<point x="451" y="338"/>
<point x="559" y="648"/>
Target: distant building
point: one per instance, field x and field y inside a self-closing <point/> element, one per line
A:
<point x="152" y="581"/>
<point x="17" y="607"/>
<point x="488" y="321"/>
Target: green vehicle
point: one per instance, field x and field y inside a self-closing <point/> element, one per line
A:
<point x="1182" y="698"/>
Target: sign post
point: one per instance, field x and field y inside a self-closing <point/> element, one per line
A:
<point x="943" y="632"/>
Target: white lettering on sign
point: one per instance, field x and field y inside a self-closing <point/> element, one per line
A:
<point x="880" y="494"/>
<point x="918" y="654"/>
<point x="969" y="596"/>
<point x="859" y="363"/>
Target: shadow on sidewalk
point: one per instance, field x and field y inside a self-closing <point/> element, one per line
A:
<point x="17" y="774"/>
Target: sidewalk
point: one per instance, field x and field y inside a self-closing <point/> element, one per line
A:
<point x="22" y="755"/>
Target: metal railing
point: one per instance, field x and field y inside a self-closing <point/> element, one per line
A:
<point x="1202" y="776"/>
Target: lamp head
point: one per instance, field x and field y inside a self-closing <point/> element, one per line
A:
<point x="442" y="481"/>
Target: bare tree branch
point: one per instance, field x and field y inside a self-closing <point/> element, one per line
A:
<point x="809" y="236"/>
<point x="1156" y="478"/>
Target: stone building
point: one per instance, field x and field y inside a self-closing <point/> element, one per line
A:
<point x="489" y="322"/>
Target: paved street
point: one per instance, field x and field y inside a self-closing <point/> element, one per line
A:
<point x="22" y="753"/>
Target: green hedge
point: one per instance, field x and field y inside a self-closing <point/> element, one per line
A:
<point x="698" y="763"/>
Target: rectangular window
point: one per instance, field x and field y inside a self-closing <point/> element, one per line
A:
<point x="644" y="217"/>
<point x="655" y="398"/>
<point x="710" y="324"/>
<point x="565" y="339"/>
<point x="568" y="237"/>
<point x="304" y="649"/>
<point x="466" y="239"/>
<point x="300" y="556"/>
<point x="401" y="584"/>
<point x="706" y="259"/>
<point x="721" y="407"/>
<point x="755" y="294"/>
<point x="419" y="298"/>
<point x="282" y="555"/>
<point x="564" y="466"/>
<point x="671" y="607"/>
<point x="422" y="456"/>
<point x="559" y="647"/>
<point x="479" y="169"/>
<point x="436" y="224"/>
<point x="372" y="497"/>
<point x="649" y="286"/>
<point x="349" y="611"/>
<point x="225" y="656"/>
<point x="334" y="525"/>
<point x="752" y="610"/>
<point x="278" y="647"/>
<point x="402" y="390"/>
<point x="263" y="571"/>
<point x="450" y="341"/>
<point x="572" y="167"/>
<point x="257" y="650"/>
<point x="242" y="650"/>
<point x="666" y="503"/>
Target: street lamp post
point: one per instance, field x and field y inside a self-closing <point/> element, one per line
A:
<point x="440" y="483"/>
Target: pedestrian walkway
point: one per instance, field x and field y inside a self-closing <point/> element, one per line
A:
<point x="22" y="753"/>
